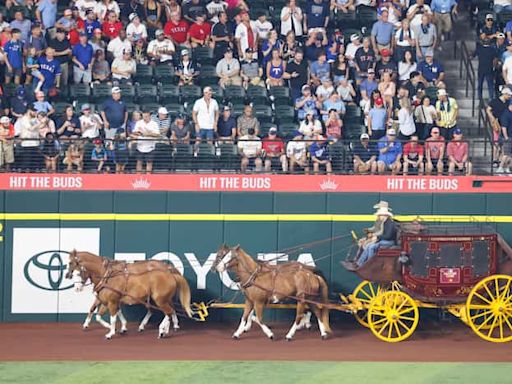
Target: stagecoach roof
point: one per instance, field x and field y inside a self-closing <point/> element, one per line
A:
<point x="457" y="229"/>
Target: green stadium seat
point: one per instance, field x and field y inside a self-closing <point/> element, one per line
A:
<point x="144" y="74"/>
<point x="147" y="93"/>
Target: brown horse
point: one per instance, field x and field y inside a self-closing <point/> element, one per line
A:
<point x="152" y="264"/>
<point x="116" y="283"/>
<point x="262" y="284"/>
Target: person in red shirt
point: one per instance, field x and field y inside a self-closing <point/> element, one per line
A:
<point x="273" y="148"/>
<point x="177" y="29"/>
<point x="111" y="26"/>
<point x="434" y="151"/>
<point x="413" y="156"/>
<point x="6" y="142"/>
<point x="199" y="32"/>
<point x="458" y="154"/>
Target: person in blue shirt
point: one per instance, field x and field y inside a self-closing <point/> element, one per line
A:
<point x="90" y="23"/>
<point x="319" y="151"/>
<point x="317" y="14"/>
<point x="383" y="33"/>
<point x="377" y="119"/>
<point x="99" y="154"/>
<point x="83" y="58"/>
<point x="320" y="69"/>
<point x="390" y="153"/>
<point x="226" y="126"/>
<point x="431" y="70"/>
<point x="14" y="57"/>
<point x="306" y="103"/>
<point x="49" y="67"/>
<point x="46" y="13"/>
<point x="443" y="10"/>
<point x="114" y="113"/>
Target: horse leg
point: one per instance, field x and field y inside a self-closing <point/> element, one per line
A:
<point x="175" y="323"/>
<point x="258" y="319"/>
<point x="163" y="305"/>
<point x="113" y="308"/>
<point x="145" y="320"/>
<point x="123" y="321"/>
<point x="88" y="319"/>
<point x="318" y="314"/>
<point x="99" y="316"/>
<point x="298" y="319"/>
<point x="243" y="321"/>
<point x="305" y="322"/>
<point x="248" y="323"/>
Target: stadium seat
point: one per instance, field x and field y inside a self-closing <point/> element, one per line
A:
<point x="182" y="157"/>
<point x="101" y="92"/>
<point x="144" y="74"/>
<point x="80" y="92"/>
<point x="287" y="129"/>
<point x="131" y="106"/>
<point x="237" y="109"/>
<point x="285" y="113"/>
<point x="168" y="93"/>
<point x="60" y="107"/>
<point x="164" y="74"/>
<point x="229" y="159"/>
<point x="147" y="93"/>
<point x="163" y="158"/>
<point x="280" y="95"/>
<point x="206" y="158"/>
<point x="235" y="94"/>
<point x="257" y="95"/>
<point x="203" y="55"/>
<point x="263" y="113"/>
<point x="208" y="76"/>
<point x="337" y="152"/>
<point x="128" y="92"/>
<point x="264" y="128"/>
<point x="175" y="109"/>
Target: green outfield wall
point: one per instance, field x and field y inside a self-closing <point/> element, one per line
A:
<point x="38" y="228"/>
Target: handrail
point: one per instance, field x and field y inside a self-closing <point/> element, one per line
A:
<point x="465" y="62"/>
<point x="483" y="120"/>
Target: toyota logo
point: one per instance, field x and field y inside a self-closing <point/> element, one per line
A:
<point x="46" y="270"/>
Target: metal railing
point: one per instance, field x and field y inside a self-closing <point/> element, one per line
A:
<point x="466" y="67"/>
<point x="170" y="157"/>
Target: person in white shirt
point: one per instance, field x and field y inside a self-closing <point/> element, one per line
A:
<point x="136" y="31"/>
<point x="104" y="7"/>
<point x="205" y="115"/>
<point x="214" y="8"/>
<point x="416" y="11"/>
<point x="263" y="26"/>
<point x="228" y="70"/>
<point x="507" y="70"/>
<point x="84" y="5"/>
<point x="244" y="32"/>
<point x="117" y="46"/>
<point x="250" y="147"/>
<point x="297" y="153"/>
<point x="406" y="123"/>
<point x="291" y="19"/>
<point x="161" y="49"/>
<point x="123" y="68"/>
<point x="144" y="131"/>
<point x="90" y="123"/>
<point x="352" y="47"/>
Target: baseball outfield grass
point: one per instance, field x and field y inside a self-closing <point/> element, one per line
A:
<point x="225" y="372"/>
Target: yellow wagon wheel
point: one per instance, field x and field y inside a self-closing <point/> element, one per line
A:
<point x="393" y="316"/>
<point x="365" y="292"/>
<point x="489" y="308"/>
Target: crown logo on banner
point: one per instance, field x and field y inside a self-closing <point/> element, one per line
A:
<point x="141" y="184"/>
<point x="329" y="185"/>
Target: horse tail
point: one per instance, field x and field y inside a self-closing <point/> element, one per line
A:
<point x="184" y="293"/>
<point x="324" y="291"/>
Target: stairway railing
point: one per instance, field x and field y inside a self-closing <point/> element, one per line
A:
<point x="466" y="68"/>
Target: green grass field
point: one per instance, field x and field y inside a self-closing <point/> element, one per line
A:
<point x="211" y="372"/>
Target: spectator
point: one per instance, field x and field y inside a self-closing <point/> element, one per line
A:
<point x="276" y="68"/>
<point x="406" y="66"/>
<point x="344" y="6"/>
<point x="390" y="153"/>
<point x="496" y="112"/>
<point x="506" y="131"/>
<point x="364" y="61"/>
<point x="387" y="87"/>
<point x="145" y="131"/>
<point x="306" y="103"/>
<point x="50" y="69"/>
<point x="335" y="103"/>
<point x="153" y="16"/>
<point x="297" y="73"/>
<point x="502" y="5"/>
<point x="123" y="69"/>
<point x="62" y="49"/>
<point x="112" y="26"/>
<point x="187" y="70"/>
<point x="199" y="32"/>
<point x="377" y="120"/>
<point x="291" y="19"/>
<point x="83" y="6"/>
<point x="405" y="40"/>
<point x="22" y="25"/>
<point x="246" y="35"/>
<point x="413" y="157"/>
<point x="489" y="30"/>
<point x="90" y="23"/>
<point x="41" y="105"/>
<point x="247" y="121"/>
<point x="317" y="15"/>
<point x="458" y="154"/>
<point x="416" y="12"/>
<point x="83" y="58"/>
<point x="264" y="28"/>
<point x="161" y="49"/>
<point x="382" y="33"/>
<point x="443" y="11"/>
<point x="319" y="69"/>
<point x="177" y="30"/>
<point x="205" y="114"/>
<point x="36" y="40"/>
<point x="426" y="37"/>
<point x="325" y="90"/>
<point x="46" y="14"/>
<point x="136" y="31"/>
<point x="365" y="156"/>
<point x="339" y="69"/>
<point x="447" y="112"/>
<point x="100" y="68"/>
<point x="226" y="127"/>
<point x="215" y="8"/>
<point x="249" y="147"/>
<point x="50" y="151"/>
<point x="415" y="86"/>
<point x="28" y="127"/>
<point x="385" y="64"/>
<point x="425" y="115"/>
<point x="132" y="6"/>
<point x="273" y="150"/>
<point x="434" y="151"/>
<point x="6" y="143"/>
<point x="310" y="126"/>
<point x="180" y="130"/>
<point x="320" y="155"/>
<point x="367" y="87"/>
<point x="353" y="47"/>
<point x="32" y="69"/>
<point x="14" y="57"/>
<point x="487" y="60"/>
<point x="114" y="113"/>
<point x="191" y="9"/>
<point x="269" y="45"/>
<point x="121" y="153"/>
<point x="222" y="36"/>
<point x="74" y="157"/>
<point x="99" y="155"/>
<point x="90" y="123"/>
<point x="228" y="70"/>
<point x="251" y="72"/>
<point x="118" y="45"/>
<point x="407" y="127"/>
<point x="66" y="22"/>
<point x="69" y="126"/>
<point x="97" y="41"/>
<point x="45" y="124"/>
<point x="431" y="70"/>
<point x="315" y="45"/>
<point x="297" y="153"/>
<point x="333" y="126"/>
<point x="163" y="121"/>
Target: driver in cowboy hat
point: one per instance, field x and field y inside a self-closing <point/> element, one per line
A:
<point x="375" y="230"/>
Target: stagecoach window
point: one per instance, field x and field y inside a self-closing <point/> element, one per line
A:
<point x="480" y="259"/>
<point x="450" y="255"/>
<point x="420" y="258"/>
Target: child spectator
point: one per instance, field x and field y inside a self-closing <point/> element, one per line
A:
<point x="99" y="155"/>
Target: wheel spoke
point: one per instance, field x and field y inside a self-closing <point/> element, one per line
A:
<point x="508" y="322"/>
<point x="488" y="291"/>
<point x="371" y="289"/>
<point x="407" y="318"/>
<point x="380" y="321"/>
<point x="383" y="328"/>
<point x="401" y="305"/>
<point x="484" y="323"/>
<point x="407" y="310"/>
<point x="366" y="294"/>
<point x="390" y="331"/>
<point x="399" y="334"/>
<point x="505" y="294"/>
<point x="485" y="313"/>
<point x="492" y="326"/>
<point x="501" y="327"/>
<point x="404" y="325"/>
<point x="497" y="287"/>
<point x="482" y="298"/>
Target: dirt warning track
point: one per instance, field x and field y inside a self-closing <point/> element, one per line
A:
<point x="67" y="341"/>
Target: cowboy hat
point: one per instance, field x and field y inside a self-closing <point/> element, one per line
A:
<point x="383" y="212"/>
<point x="382" y="204"/>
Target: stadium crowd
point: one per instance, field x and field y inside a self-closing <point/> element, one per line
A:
<point x="283" y="85"/>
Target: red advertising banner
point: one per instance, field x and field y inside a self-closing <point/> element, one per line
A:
<point x="255" y="183"/>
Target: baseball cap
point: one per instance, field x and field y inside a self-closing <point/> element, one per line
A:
<point x="489" y="16"/>
<point x="364" y="136"/>
<point x="228" y="49"/>
<point x="272" y="130"/>
<point x="82" y="34"/>
<point x="132" y="16"/>
<point x="163" y="111"/>
<point x="371" y="70"/>
<point x="227" y="108"/>
<point x="506" y="91"/>
<point x="457" y="131"/>
<point x="304" y="87"/>
<point x="97" y="141"/>
<point x="184" y="52"/>
<point x="500" y="35"/>
<point x="159" y="32"/>
<point x="442" y="92"/>
<point x="249" y="50"/>
<point x="379" y="101"/>
<point x="385" y="52"/>
<point x="5" y="119"/>
<point x="115" y="90"/>
<point x="354" y="37"/>
<point x="429" y="52"/>
<point x="68" y="12"/>
<point x="85" y="107"/>
<point x="413" y="74"/>
<point x="391" y="132"/>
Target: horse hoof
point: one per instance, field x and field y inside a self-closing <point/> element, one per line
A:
<point x="289" y="338"/>
<point x="309" y="328"/>
<point x="324" y="337"/>
<point x="85" y="328"/>
<point x="141" y="330"/>
<point x="235" y="337"/>
<point x="108" y="337"/>
<point x="176" y="329"/>
<point x="161" y="335"/>
<point x="123" y="331"/>
<point x="271" y="337"/>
